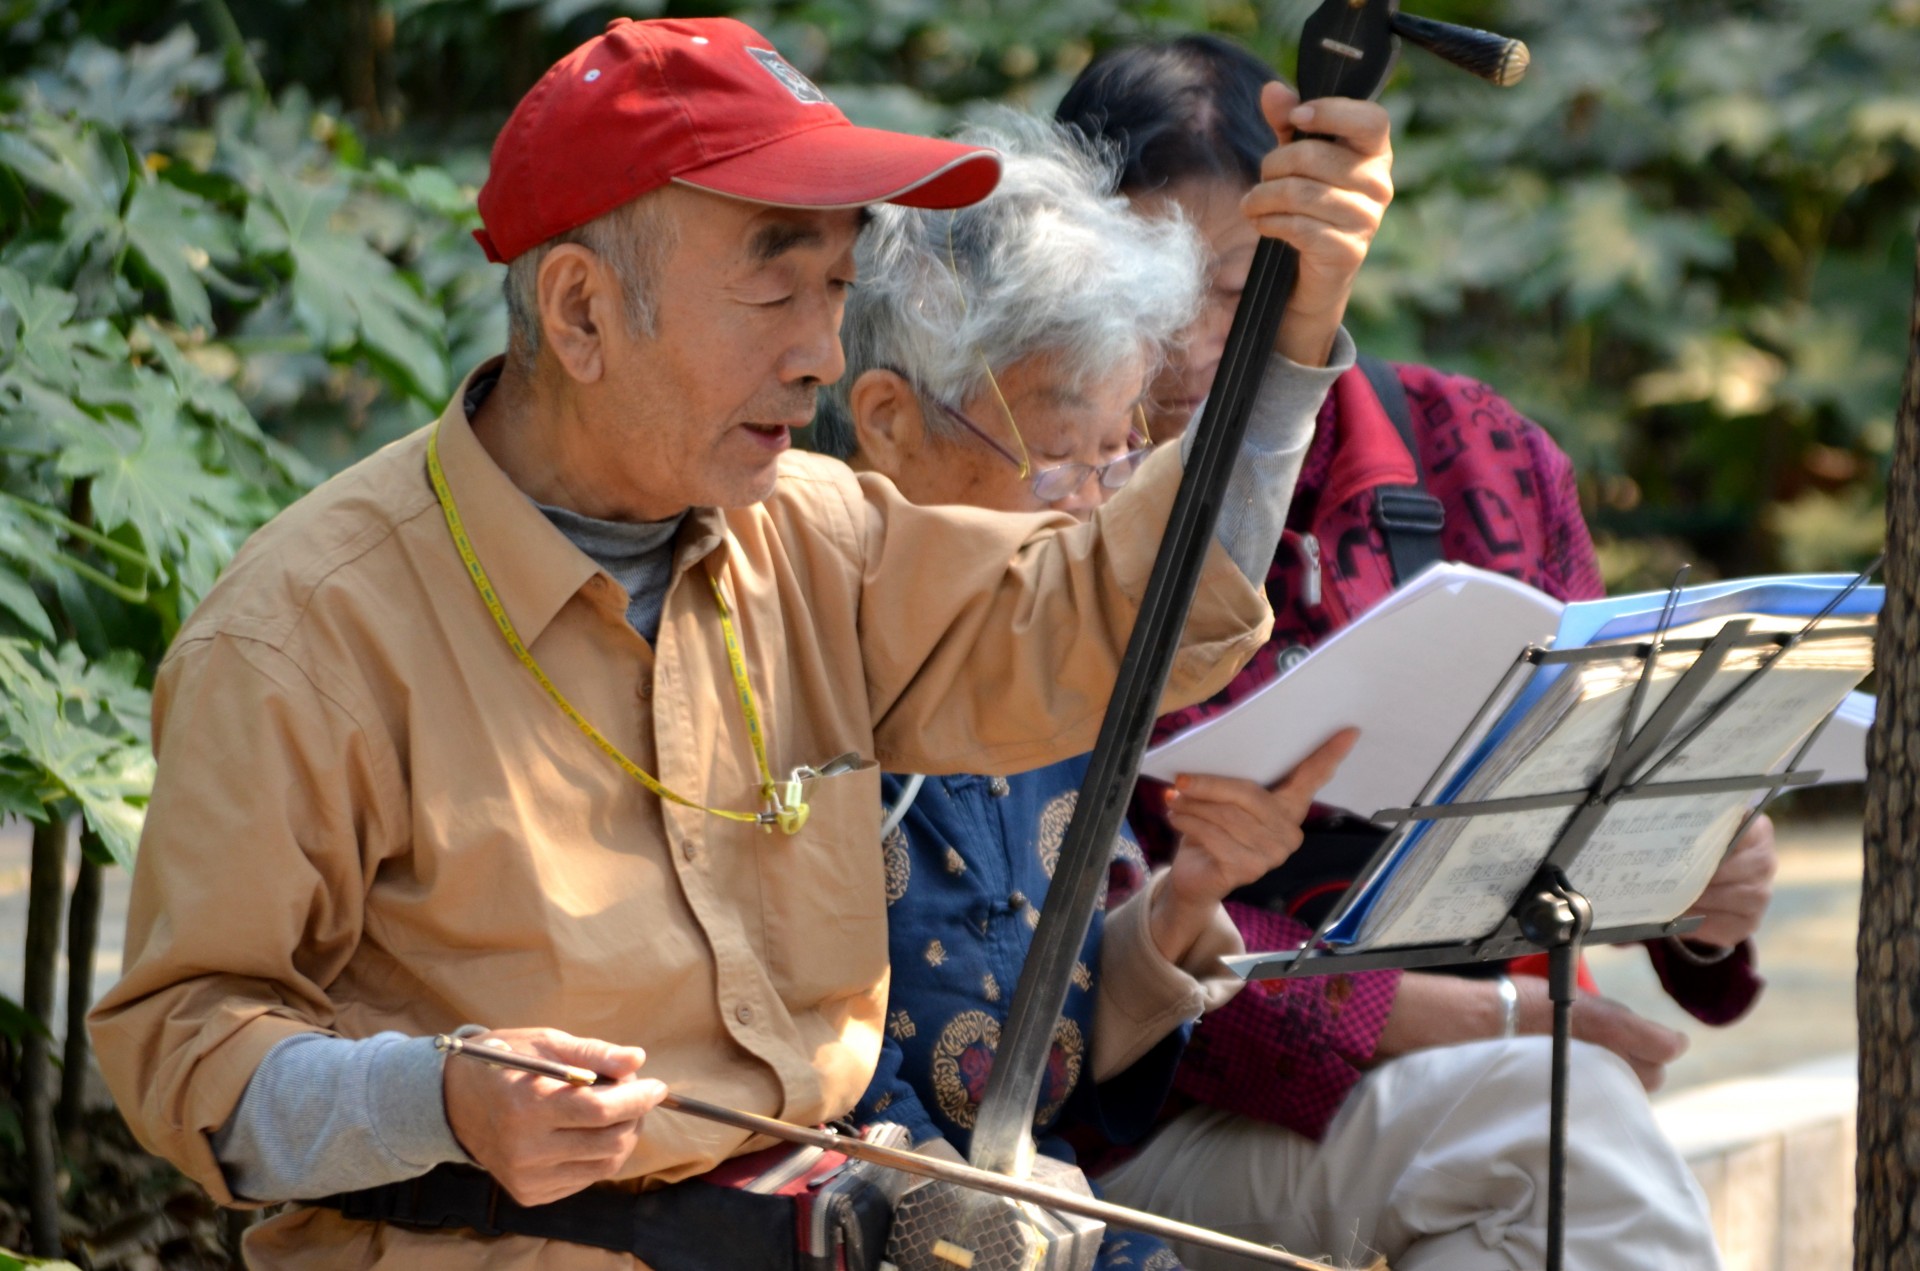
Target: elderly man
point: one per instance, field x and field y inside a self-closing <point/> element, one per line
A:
<point x="493" y="730"/>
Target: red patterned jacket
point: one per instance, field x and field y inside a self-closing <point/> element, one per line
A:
<point x="1289" y="1051"/>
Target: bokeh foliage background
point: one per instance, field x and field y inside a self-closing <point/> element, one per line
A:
<point x="234" y="256"/>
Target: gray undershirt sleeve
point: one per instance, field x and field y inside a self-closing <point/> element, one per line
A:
<point x="326" y="1114"/>
<point x="1254" y="510"/>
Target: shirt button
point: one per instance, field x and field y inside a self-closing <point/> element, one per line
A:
<point x="743" y="1013"/>
<point x="689" y="850"/>
<point x="998" y="787"/>
<point x="644" y="689"/>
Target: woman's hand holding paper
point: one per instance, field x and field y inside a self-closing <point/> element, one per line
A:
<point x="1232" y="832"/>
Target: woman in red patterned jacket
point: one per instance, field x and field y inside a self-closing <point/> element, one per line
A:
<point x="1294" y="1081"/>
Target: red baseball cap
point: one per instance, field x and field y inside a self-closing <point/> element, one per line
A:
<point x="709" y="103"/>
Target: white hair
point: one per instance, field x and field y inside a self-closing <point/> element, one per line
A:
<point x="1053" y="261"/>
<point x="633" y="239"/>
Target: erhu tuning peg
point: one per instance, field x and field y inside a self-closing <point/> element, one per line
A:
<point x="1492" y="57"/>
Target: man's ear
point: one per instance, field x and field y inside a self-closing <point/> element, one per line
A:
<point x="579" y="298"/>
<point x="888" y="427"/>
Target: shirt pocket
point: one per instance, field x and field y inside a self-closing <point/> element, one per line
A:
<point x="825" y="894"/>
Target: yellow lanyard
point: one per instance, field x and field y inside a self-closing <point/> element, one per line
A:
<point x="788" y="811"/>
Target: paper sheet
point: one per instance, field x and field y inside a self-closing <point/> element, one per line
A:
<point x="1410" y="673"/>
<point x="1840" y="752"/>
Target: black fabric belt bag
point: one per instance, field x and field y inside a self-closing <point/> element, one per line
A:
<point x="833" y="1217"/>
<point x="674" y="1228"/>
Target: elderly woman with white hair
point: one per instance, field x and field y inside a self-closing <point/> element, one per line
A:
<point x="998" y="356"/>
<point x="998" y="353"/>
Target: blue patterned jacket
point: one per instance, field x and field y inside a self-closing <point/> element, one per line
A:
<point x="967" y="872"/>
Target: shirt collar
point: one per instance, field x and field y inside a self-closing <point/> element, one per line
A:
<point x="703" y="537"/>
<point x="534" y="568"/>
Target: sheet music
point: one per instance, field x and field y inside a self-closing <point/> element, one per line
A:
<point x="1651" y="857"/>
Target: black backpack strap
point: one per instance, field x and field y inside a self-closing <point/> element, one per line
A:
<point x="1408" y="517"/>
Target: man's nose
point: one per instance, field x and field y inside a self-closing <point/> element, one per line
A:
<point x="815" y="353"/>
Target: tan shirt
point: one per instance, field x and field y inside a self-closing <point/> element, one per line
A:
<point x="369" y="817"/>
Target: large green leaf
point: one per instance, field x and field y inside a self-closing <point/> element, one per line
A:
<point x="1613" y="245"/>
<point x="343" y="291"/>
<point x="151" y="478"/>
<point x="76" y="723"/>
<point x="17" y="598"/>
<point x="70" y="162"/>
<point x="41" y="334"/>
<point x="141" y="88"/>
<point x="179" y="237"/>
<point x="262" y="462"/>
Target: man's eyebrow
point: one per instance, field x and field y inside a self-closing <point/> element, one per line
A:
<point x="774" y="240"/>
<point x="777" y="238"/>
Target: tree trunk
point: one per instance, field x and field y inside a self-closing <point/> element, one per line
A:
<point x="360" y="76"/>
<point x="47" y="888"/>
<point x="83" y="937"/>
<point x="1886" y="1221"/>
<point x="523" y="49"/>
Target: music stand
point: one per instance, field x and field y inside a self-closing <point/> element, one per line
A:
<point x="1549" y="914"/>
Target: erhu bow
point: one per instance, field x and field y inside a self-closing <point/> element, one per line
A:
<point x="1347" y="49"/>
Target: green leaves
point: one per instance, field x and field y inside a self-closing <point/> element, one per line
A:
<point x="80" y="411"/>
<point x="75" y="730"/>
<point x="1612" y="245"/>
<point x="178" y="237"/>
<point x="142" y="88"/>
<point x="151" y="479"/>
<point x="142" y="257"/>
<point x="344" y="292"/>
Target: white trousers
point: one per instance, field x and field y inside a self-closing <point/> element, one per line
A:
<point x="1438" y="1162"/>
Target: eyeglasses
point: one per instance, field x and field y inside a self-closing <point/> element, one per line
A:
<point x="1051" y="485"/>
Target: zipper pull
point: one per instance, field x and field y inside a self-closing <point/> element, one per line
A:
<point x="1307" y="547"/>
